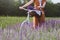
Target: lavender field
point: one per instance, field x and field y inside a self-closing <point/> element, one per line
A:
<point x="50" y="30"/>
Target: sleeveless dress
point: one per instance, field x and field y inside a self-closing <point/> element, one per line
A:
<point x="40" y="19"/>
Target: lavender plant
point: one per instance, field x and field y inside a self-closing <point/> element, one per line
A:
<point x="50" y="30"/>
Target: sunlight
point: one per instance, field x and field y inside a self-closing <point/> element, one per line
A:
<point x="56" y="1"/>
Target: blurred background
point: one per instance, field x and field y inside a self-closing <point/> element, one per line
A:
<point x="11" y="8"/>
<point x="11" y="18"/>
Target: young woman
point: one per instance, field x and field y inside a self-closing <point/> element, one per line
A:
<point x="38" y="5"/>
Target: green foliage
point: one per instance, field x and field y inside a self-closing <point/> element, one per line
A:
<point x="11" y="8"/>
<point x="52" y="10"/>
<point x="5" y="21"/>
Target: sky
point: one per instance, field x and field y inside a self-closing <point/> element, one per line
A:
<point x="56" y="1"/>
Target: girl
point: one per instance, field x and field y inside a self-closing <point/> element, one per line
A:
<point x="38" y="5"/>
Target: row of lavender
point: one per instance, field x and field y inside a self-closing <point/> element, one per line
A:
<point x="48" y="31"/>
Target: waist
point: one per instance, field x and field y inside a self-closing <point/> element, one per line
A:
<point x="36" y="7"/>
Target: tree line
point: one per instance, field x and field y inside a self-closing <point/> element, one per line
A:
<point x="11" y="8"/>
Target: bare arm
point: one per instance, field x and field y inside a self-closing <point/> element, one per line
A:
<point x="30" y="2"/>
<point x="27" y="4"/>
